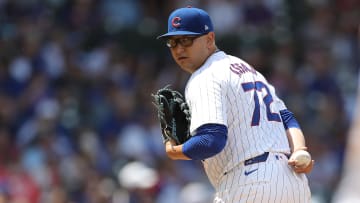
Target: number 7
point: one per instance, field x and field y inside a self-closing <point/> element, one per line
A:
<point x="268" y="99"/>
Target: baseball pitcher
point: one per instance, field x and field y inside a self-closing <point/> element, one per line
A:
<point x="230" y="119"/>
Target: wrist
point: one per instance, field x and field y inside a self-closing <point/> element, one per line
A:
<point x="300" y="148"/>
<point x="169" y="145"/>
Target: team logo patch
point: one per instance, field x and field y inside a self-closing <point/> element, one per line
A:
<point x="175" y="22"/>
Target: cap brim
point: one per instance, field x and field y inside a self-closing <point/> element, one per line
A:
<point x="178" y="33"/>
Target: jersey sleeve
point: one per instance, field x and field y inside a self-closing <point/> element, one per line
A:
<point x="206" y="95"/>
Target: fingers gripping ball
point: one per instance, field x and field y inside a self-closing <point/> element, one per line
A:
<point x="173" y="114"/>
<point x="302" y="158"/>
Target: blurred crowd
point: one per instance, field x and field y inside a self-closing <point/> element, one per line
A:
<point x="77" y="124"/>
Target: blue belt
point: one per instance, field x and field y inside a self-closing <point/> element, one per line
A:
<point x="261" y="158"/>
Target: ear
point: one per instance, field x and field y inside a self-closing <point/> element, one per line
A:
<point x="210" y="39"/>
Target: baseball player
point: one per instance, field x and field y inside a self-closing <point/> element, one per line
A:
<point x="241" y="131"/>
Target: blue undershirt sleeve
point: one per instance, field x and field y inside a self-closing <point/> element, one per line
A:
<point x="289" y="119"/>
<point x="209" y="140"/>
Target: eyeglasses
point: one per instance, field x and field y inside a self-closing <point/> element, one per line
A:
<point x="184" y="41"/>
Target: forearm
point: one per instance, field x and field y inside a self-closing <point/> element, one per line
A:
<point x="209" y="140"/>
<point x="297" y="142"/>
<point x="296" y="139"/>
<point x="293" y="131"/>
<point x="174" y="151"/>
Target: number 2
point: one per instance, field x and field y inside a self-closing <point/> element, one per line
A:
<point x="258" y="86"/>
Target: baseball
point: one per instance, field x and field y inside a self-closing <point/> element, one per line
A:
<point x="303" y="158"/>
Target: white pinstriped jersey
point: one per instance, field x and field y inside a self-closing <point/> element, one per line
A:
<point x="226" y="90"/>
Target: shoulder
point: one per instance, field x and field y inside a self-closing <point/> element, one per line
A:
<point x="214" y="73"/>
<point x="224" y="63"/>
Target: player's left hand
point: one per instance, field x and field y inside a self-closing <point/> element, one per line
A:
<point x="174" y="115"/>
<point x="301" y="169"/>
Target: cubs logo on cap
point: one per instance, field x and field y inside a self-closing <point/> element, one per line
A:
<point x="188" y="21"/>
<point x="176" y="21"/>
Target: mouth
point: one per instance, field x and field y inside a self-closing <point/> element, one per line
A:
<point x="181" y="58"/>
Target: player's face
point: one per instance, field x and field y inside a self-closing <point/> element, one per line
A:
<point x="189" y="52"/>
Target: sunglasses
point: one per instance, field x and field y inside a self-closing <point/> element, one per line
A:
<point x="184" y="41"/>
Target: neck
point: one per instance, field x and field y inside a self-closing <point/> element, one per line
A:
<point x="214" y="50"/>
<point x="211" y="52"/>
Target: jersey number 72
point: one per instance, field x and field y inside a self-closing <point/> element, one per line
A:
<point x="258" y="86"/>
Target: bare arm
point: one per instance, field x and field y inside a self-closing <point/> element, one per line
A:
<point x="297" y="142"/>
<point x="175" y="151"/>
<point x="296" y="139"/>
<point x="209" y="140"/>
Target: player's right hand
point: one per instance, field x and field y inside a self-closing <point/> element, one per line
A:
<point x="301" y="169"/>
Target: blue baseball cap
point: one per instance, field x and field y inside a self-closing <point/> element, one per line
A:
<point x="188" y="21"/>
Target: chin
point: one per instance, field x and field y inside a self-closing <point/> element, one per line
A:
<point x="186" y="68"/>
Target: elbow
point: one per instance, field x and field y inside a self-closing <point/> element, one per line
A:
<point x="209" y="141"/>
<point x="205" y="148"/>
<point x="216" y="146"/>
<point x="213" y="148"/>
<point x="289" y="120"/>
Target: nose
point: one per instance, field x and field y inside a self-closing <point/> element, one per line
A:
<point x="179" y="48"/>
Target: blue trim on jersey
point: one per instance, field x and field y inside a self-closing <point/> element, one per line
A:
<point x="209" y="140"/>
<point x="289" y="119"/>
